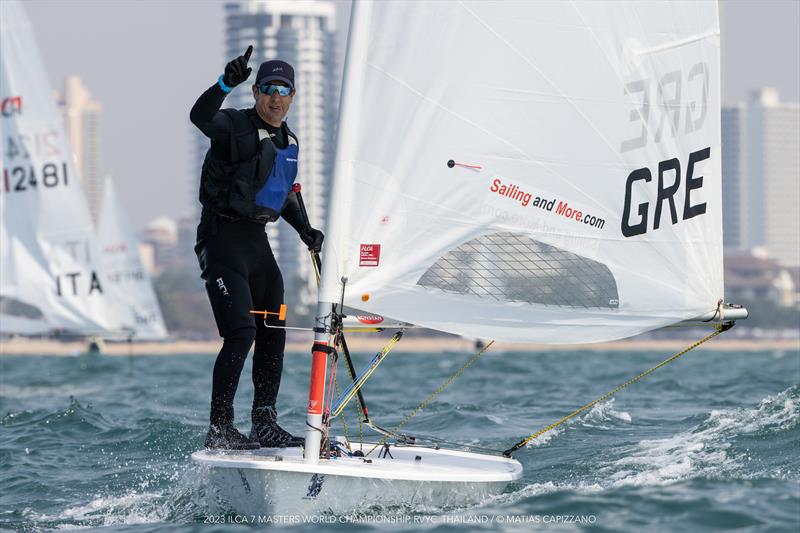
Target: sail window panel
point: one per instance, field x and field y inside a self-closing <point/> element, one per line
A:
<point x="510" y="267"/>
<point x="17" y="308"/>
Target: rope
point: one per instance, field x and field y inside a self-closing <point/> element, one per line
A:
<point x="344" y="424"/>
<point x="359" y="404"/>
<point x="718" y="329"/>
<point x="358" y="415"/>
<point x="333" y="359"/>
<point x="359" y="411"/>
<point x="429" y="398"/>
<point x="376" y="360"/>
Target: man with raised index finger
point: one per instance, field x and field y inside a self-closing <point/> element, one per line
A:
<point x="245" y="182"/>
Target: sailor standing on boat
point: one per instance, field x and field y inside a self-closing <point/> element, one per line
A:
<point x="245" y="183"/>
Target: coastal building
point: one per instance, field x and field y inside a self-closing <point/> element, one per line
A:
<point x="82" y="116"/>
<point x="199" y="145"/>
<point x="184" y="247"/>
<point x="753" y="276"/>
<point x="161" y="235"/>
<point x="761" y="176"/>
<point x="734" y="166"/>
<point x="773" y="166"/>
<point x="304" y="35"/>
<point x="794" y="272"/>
<point x="148" y="255"/>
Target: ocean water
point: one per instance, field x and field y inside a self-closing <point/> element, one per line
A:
<point x="710" y="442"/>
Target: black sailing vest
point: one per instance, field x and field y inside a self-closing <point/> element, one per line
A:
<point x="256" y="188"/>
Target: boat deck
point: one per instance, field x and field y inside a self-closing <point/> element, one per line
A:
<point x="412" y="463"/>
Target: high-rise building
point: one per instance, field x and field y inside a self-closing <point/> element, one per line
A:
<point x="304" y="35"/>
<point x="82" y="122"/>
<point x="734" y="166"/>
<point x="761" y="176"/>
<point x="773" y="131"/>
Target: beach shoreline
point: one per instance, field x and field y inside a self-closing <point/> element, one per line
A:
<point x="368" y="344"/>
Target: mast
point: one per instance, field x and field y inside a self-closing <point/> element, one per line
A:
<point x="340" y="198"/>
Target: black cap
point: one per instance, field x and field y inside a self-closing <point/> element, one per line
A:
<point x="275" y="70"/>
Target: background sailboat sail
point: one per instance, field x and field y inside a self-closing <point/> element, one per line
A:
<point x="132" y="301"/>
<point x="529" y="171"/>
<point x="49" y="272"/>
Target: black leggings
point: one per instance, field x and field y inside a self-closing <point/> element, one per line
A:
<point x="241" y="274"/>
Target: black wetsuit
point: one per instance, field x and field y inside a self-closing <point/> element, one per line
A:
<point x="241" y="273"/>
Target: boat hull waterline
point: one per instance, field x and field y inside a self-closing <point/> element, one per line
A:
<point x="276" y="481"/>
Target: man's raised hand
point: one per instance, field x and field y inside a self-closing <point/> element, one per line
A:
<point x="237" y="70"/>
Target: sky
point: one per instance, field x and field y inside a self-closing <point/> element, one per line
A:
<point x="147" y="61"/>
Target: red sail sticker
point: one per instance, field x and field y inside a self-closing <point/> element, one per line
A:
<point x="369" y="319"/>
<point x="370" y="255"/>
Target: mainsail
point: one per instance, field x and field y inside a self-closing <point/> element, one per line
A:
<point x="132" y="303"/>
<point x="529" y="171"/>
<point x="50" y="276"/>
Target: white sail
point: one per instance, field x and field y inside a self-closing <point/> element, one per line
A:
<point x="582" y="200"/>
<point x="49" y="263"/>
<point x="132" y="302"/>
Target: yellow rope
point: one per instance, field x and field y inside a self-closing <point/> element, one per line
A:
<point x="344" y="425"/>
<point x="719" y="329"/>
<point x="429" y="398"/>
<point x="363" y="379"/>
<point x="357" y="403"/>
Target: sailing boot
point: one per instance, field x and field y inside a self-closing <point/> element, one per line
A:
<point x="267" y="431"/>
<point x="227" y="437"/>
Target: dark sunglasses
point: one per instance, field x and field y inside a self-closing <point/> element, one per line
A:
<point x="272" y="89"/>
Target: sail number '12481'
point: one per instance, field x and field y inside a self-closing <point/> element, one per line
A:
<point x="22" y="178"/>
<point x="669" y="181"/>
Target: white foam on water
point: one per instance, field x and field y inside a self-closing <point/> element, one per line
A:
<point x="20" y="392"/>
<point x="703" y="451"/>
<point x="605" y="412"/>
<point x="185" y="496"/>
<point x="545" y="437"/>
<point x="131" y="508"/>
<point x="533" y="490"/>
<point x="597" y="416"/>
<point x="499" y="420"/>
<point x="445" y="364"/>
<point x="537" y="489"/>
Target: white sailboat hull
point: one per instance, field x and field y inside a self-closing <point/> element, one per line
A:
<point x="276" y="481"/>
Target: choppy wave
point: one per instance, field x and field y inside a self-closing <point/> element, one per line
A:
<point x="705" y="450"/>
<point x="604" y="412"/>
<point x="75" y="417"/>
<point x="184" y="498"/>
<point x="131" y="508"/>
<point x="601" y="415"/>
<point x="117" y="456"/>
<point x="19" y="392"/>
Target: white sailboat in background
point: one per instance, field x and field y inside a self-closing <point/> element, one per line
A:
<point x="543" y="172"/>
<point x="52" y="278"/>
<point x="50" y="262"/>
<point x="131" y="298"/>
